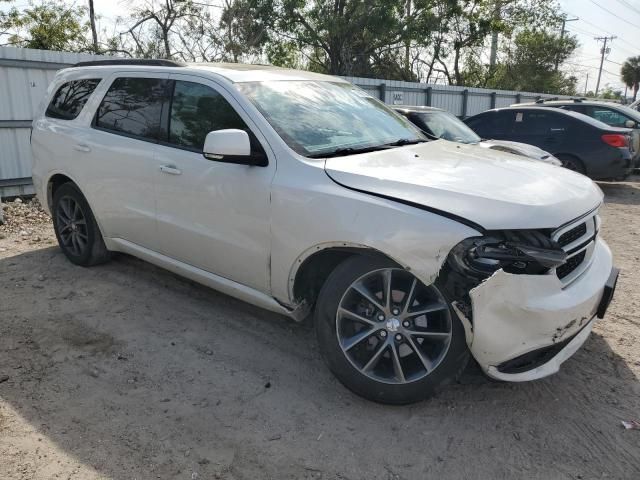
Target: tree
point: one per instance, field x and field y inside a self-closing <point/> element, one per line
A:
<point x="610" y="94"/>
<point x="528" y="65"/>
<point x="157" y="26"/>
<point x="340" y="37"/>
<point x="51" y="25"/>
<point x="630" y="73"/>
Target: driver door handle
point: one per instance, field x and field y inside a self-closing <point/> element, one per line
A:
<point x="170" y="169"/>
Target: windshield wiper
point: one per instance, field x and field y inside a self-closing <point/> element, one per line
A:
<point x="341" y="152"/>
<point x="405" y="141"/>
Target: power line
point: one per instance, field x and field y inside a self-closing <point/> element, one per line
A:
<point x="631" y="7"/>
<point x="600" y="29"/>
<point x="615" y="15"/>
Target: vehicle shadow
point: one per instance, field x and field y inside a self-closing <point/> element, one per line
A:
<point x="625" y="193"/>
<point x="133" y="372"/>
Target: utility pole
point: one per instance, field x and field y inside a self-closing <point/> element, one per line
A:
<point x="94" y="33"/>
<point x="407" y="44"/>
<point x="586" y="83"/>
<point x="564" y="22"/>
<point x="603" y="53"/>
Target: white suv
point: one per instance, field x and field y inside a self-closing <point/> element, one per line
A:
<point x="304" y="195"/>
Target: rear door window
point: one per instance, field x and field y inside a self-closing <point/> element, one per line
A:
<point x="196" y="110"/>
<point x="70" y="98"/>
<point x="133" y="107"/>
<point x="608" y="116"/>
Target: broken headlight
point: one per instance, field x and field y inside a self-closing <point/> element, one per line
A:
<point x="520" y="252"/>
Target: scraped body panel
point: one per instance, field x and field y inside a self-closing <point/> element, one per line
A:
<point x="517" y="314"/>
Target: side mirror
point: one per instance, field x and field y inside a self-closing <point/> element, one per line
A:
<point x="231" y="146"/>
<point x="630" y="124"/>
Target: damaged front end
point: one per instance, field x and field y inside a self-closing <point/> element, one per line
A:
<point x="475" y="259"/>
<point x="527" y="297"/>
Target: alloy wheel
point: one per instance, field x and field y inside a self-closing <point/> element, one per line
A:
<point x="72" y="226"/>
<point x="392" y="327"/>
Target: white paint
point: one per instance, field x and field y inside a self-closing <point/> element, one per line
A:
<point x="227" y="142"/>
<point x="494" y="189"/>
<point x="516" y="314"/>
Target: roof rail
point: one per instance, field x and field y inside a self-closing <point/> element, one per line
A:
<point x="550" y="99"/>
<point x="579" y="99"/>
<point x="153" y="62"/>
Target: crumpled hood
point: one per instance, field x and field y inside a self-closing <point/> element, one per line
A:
<point x="493" y="189"/>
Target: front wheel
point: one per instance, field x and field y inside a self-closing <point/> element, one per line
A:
<point x="385" y="335"/>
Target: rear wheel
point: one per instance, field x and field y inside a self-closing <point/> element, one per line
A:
<point x="76" y="229"/>
<point x="572" y="163"/>
<point x="385" y="335"/>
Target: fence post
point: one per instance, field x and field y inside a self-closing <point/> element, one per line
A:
<point x="465" y="102"/>
<point x="429" y="92"/>
<point x="494" y="96"/>
<point x="383" y="92"/>
<point x="518" y="98"/>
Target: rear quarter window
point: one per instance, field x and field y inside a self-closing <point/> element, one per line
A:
<point x="70" y="98"/>
<point x="133" y="106"/>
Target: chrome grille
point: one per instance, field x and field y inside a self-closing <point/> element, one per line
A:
<point x="578" y="239"/>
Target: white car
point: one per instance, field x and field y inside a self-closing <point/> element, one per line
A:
<point x="300" y="193"/>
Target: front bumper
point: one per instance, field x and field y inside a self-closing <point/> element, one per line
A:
<point x="514" y="315"/>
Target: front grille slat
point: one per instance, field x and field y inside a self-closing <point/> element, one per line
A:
<point x="572" y="235"/>
<point x="570" y="265"/>
<point x="578" y="241"/>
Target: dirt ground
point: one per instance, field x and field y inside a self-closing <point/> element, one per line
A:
<point x="125" y="371"/>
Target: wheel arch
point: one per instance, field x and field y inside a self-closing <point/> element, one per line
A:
<point x="54" y="181"/>
<point x="311" y="269"/>
<point x="560" y="155"/>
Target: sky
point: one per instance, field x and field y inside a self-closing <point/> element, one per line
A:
<point x="596" y="18"/>
<point x="602" y="18"/>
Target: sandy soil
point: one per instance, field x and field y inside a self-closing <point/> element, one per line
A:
<point x="125" y="371"/>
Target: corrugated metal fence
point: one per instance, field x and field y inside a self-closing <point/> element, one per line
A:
<point x="24" y="77"/>
<point x="26" y="73"/>
<point x="461" y="101"/>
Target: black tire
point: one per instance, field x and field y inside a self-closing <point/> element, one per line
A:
<point x="572" y="163"/>
<point x="335" y="289"/>
<point x="76" y="229"/>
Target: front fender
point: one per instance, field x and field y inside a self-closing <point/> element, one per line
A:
<point x="332" y="216"/>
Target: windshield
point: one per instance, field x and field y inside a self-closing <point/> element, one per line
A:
<point x="446" y="126"/>
<point x="318" y="118"/>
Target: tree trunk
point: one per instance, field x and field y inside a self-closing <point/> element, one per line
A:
<point x="94" y="32"/>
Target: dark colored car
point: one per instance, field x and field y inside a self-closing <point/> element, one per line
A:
<point x="580" y="142"/>
<point x="439" y="124"/>
<point x="613" y="114"/>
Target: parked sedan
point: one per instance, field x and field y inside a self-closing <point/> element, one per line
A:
<point x="438" y="123"/>
<point x="581" y="143"/>
<point x="613" y="114"/>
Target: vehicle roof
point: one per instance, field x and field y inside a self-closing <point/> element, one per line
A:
<point x="234" y="72"/>
<point x="613" y="105"/>
<point x="578" y="116"/>
<point x="415" y="108"/>
<point x="570" y="101"/>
